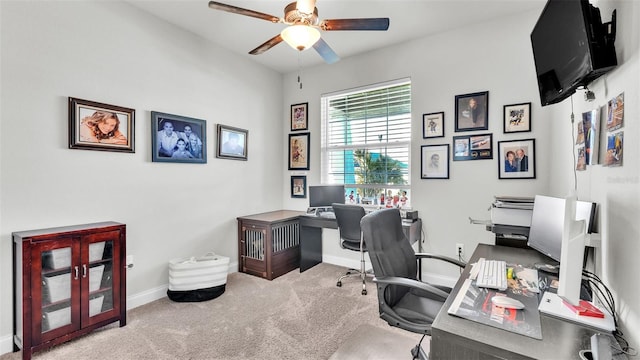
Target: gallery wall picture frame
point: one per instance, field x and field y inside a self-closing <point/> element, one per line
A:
<point x="517" y="159"/>
<point x="472" y="111"/>
<point x="178" y="139"/>
<point x="433" y="125"/>
<point x="299" y="151"/>
<point x="299" y="116"/>
<point x="299" y="186"/>
<point x="517" y="118"/>
<point x="98" y="126"/>
<point x="233" y="142"/>
<point x="434" y="161"/>
<point x="473" y="147"/>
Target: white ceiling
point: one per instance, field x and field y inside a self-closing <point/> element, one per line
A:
<point x="409" y="19"/>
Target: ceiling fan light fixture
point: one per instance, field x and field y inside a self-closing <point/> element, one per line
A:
<point x="300" y="37"/>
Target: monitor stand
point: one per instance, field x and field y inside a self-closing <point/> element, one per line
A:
<point x="552" y="304"/>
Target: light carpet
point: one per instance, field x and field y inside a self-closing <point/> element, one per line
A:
<point x="296" y="316"/>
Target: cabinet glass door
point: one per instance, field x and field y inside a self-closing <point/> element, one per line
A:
<point x="57" y="277"/>
<point x="100" y="277"/>
<point x="100" y="257"/>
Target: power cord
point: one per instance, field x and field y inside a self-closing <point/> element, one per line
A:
<point x="606" y="297"/>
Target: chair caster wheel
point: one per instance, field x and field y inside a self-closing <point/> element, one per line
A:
<point x="339" y="284"/>
<point x="364" y="292"/>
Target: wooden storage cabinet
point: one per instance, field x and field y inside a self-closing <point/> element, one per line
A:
<point x="68" y="281"/>
<point x="269" y="243"/>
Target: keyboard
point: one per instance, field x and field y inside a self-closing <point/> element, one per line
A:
<point x="491" y="274"/>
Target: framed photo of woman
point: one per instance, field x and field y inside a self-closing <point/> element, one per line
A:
<point x="299" y="151"/>
<point x="98" y="126"/>
<point x="517" y="159"/>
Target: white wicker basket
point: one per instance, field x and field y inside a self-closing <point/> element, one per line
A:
<point x="198" y="272"/>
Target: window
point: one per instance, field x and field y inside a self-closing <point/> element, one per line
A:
<point x="366" y="141"/>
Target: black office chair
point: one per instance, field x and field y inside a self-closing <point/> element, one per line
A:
<point x="403" y="300"/>
<point x="348" y="218"/>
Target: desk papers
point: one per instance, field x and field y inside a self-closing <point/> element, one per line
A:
<point x="474" y="303"/>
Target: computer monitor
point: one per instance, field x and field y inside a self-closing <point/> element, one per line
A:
<point x="325" y="195"/>
<point x="571" y="254"/>
<point x="547" y="223"/>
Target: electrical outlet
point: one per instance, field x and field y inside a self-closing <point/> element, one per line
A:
<point x="460" y="250"/>
<point x="129" y="261"/>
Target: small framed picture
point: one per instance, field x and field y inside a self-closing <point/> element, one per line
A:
<point x="97" y="126"/>
<point x="472" y="111"/>
<point x="176" y="138"/>
<point x="299" y="116"/>
<point x="232" y="143"/>
<point x="298" y="186"/>
<point x="517" y="118"/>
<point x="473" y="147"/>
<point x="433" y="125"/>
<point x="299" y="151"/>
<point x="517" y="159"/>
<point x="435" y="161"/>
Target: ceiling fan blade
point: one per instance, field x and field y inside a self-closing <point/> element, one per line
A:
<point x="355" y="24"/>
<point x="325" y="51"/>
<point x="237" y="10"/>
<point x="267" y="45"/>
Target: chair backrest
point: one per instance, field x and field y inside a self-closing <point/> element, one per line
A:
<point x="348" y="218"/>
<point x="390" y="252"/>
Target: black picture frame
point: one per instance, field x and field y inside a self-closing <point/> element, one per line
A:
<point x="99" y="126"/>
<point x="299" y="186"/>
<point x="166" y="147"/>
<point x="299" y="151"/>
<point x="433" y="125"/>
<point x="232" y="143"/>
<point x="517" y="118"/>
<point x="472" y="111"/>
<point x="299" y="116"/>
<point x="434" y="160"/>
<point x="473" y="147"/>
<point x="525" y="168"/>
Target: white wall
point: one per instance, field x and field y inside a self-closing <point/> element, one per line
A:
<point x="615" y="189"/>
<point x="478" y="58"/>
<point x="113" y="53"/>
<point x="497" y="57"/>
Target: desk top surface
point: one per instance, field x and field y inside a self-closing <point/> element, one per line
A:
<point x="273" y="216"/>
<point x="560" y="339"/>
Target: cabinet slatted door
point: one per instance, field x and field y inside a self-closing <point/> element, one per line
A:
<point x="269" y="243"/>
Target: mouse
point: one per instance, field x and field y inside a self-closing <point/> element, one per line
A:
<point x="551" y="269"/>
<point x="507" y="302"/>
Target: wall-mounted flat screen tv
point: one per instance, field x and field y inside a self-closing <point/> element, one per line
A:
<point x="571" y="48"/>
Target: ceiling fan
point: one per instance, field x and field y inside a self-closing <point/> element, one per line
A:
<point x="302" y="32"/>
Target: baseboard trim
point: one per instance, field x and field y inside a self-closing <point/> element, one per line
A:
<point x="6" y="344"/>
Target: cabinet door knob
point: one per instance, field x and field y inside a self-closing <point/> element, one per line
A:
<point x="84" y="270"/>
<point x="77" y="272"/>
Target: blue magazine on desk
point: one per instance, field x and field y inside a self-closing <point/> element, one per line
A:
<point x="474" y="303"/>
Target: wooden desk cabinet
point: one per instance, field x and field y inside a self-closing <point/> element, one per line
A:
<point x="68" y="281"/>
<point x="269" y="243"/>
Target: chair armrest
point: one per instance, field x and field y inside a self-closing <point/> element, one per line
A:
<point x="451" y="260"/>
<point x="410" y="283"/>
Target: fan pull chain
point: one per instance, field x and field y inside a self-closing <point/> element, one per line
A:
<point x="299" y="70"/>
